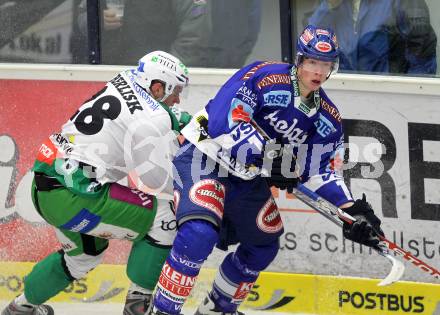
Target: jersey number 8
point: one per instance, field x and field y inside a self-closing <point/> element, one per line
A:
<point x="90" y="121"/>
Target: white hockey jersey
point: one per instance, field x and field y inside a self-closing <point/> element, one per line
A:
<point x="121" y="130"/>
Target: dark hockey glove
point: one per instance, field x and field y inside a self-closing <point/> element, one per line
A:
<point x="366" y="229"/>
<point x="276" y="177"/>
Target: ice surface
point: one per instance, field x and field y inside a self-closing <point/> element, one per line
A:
<point x="114" y="309"/>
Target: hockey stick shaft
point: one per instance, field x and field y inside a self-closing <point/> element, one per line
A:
<point x="334" y="214"/>
<point x="331" y="211"/>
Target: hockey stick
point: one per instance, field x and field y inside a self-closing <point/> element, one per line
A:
<point x="335" y="214"/>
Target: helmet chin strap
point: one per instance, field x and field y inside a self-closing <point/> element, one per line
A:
<point x="164" y="97"/>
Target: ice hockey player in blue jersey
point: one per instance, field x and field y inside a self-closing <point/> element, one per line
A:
<point x="271" y="124"/>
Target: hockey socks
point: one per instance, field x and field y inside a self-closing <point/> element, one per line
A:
<point x="194" y="242"/>
<point x="47" y="279"/>
<point x="145" y="263"/>
<point x="238" y="273"/>
<point x="232" y="284"/>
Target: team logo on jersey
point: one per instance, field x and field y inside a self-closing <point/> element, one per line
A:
<point x="209" y="194"/>
<point x="269" y="219"/>
<point x="323" y="47"/>
<point x="286" y="129"/>
<point x="239" y="112"/>
<point x="83" y="222"/>
<point x="277" y="98"/>
<point x="274" y="79"/>
<point x="324" y="127"/>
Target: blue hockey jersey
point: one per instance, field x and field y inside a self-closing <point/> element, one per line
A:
<point x="261" y="103"/>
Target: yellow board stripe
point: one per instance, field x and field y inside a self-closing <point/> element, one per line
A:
<point x="277" y="292"/>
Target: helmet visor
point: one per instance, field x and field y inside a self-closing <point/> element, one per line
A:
<point x="319" y="66"/>
<point x="178" y="94"/>
<point x="180" y="91"/>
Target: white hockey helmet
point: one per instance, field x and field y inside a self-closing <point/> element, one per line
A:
<point x="164" y="67"/>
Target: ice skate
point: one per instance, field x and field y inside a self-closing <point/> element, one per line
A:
<point x="155" y="311"/>
<point x="15" y="309"/>
<point x="208" y="307"/>
<point x="136" y="303"/>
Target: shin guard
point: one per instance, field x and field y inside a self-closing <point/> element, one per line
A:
<point x="193" y="244"/>
<point x="47" y="279"/>
<point x="145" y="263"/>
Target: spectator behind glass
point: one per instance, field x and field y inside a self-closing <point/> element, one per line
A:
<point x="202" y="33"/>
<point x="36" y="30"/>
<point x="177" y="26"/>
<point x="235" y="26"/>
<point x="382" y="36"/>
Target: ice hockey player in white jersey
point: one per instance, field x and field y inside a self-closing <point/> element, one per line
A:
<point x="127" y="128"/>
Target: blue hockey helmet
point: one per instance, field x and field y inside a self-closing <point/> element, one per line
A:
<point x="318" y="43"/>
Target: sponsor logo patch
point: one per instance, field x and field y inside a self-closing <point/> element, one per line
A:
<point x="331" y="110"/>
<point x="209" y="194"/>
<point x="269" y="219"/>
<point x="306" y="36"/>
<point x="286" y="129"/>
<point x="175" y="285"/>
<point x="47" y="152"/>
<point x="132" y="196"/>
<point x="323" y="47"/>
<point x="320" y="31"/>
<point x="277" y="98"/>
<point x="375" y="301"/>
<point x="274" y="79"/>
<point x="324" y="127"/>
<point x="303" y="108"/>
<point x="252" y="71"/>
<point x="243" y="290"/>
<point x="247" y="95"/>
<point x="83" y="222"/>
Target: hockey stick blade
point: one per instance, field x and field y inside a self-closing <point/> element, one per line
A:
<point x="335" y="215"/>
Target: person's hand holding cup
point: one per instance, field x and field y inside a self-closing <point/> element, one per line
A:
<point x="113" y="14"/>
